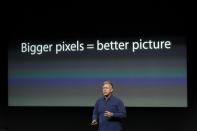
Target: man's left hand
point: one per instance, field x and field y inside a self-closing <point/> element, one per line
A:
<point x="108" y="114"/>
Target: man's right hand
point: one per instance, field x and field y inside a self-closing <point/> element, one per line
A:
<point x="94" y="122"/>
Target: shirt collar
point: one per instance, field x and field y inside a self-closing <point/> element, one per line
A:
<point x="108" y="98"/>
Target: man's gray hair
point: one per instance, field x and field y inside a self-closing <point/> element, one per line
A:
<point x="108" y="82"/>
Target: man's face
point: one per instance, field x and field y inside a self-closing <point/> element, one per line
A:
<point x="107" y="89"/>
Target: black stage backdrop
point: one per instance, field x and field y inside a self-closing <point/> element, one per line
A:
<point x="103" y="20"/>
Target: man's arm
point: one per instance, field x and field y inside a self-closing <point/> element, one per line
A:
<point x="95" y="114"/>
<point x="120" y="114"/>
<point x="121" y="111"/>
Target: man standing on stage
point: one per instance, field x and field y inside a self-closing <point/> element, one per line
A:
<point x="109" y="111"/>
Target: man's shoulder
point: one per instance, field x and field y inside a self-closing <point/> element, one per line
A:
<point x="100" y="99"/>
<point x="113" y="97"/>
<point x="116" y="99"/>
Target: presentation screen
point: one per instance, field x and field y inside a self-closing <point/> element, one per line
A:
<point x="145" y="72"/>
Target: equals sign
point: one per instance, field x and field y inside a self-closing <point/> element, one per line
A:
<point x="90" y="46"/>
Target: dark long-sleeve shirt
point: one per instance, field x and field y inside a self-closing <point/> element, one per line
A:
<point x="114" y="105"/>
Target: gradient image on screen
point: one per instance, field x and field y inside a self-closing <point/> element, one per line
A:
<point x="146" y="78"/>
